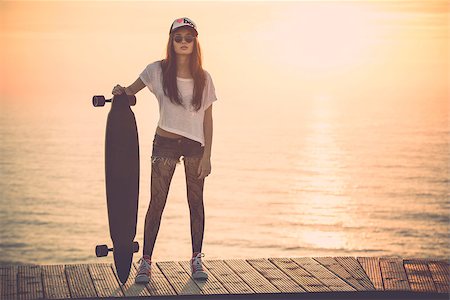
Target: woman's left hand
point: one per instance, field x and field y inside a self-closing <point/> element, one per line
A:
<point x="204" y="168"/>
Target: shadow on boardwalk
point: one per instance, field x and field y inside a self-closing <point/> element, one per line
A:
<point x="304" y="296"/>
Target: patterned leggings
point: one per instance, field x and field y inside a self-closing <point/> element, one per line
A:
<point x="161" y="176"/>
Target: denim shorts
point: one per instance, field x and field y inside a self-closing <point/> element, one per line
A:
<point x="176" y="147"/>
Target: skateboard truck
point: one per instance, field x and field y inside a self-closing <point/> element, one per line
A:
<point x="101" y="100"/>
<point x="103" y="250"/>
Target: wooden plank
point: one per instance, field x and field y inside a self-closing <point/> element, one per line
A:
<point x="253" y="278"/>
<point x="305" y="279"/>
<point x="275" y="276"/>
<point x="440" y="274"/>
<point x="334" y="266"/>
<point x="394" y="275"/>
<point x="54" y="282"/>
<point x="178" y="278"/>
<point x="3" y="280"/>
<point x="371" y="266"/>
<point x="80" y="282"/>
<point x="130" y="288"/>
<point x="8" y="282"/>
<point x="419" y="276"/>
<point x="331" y="280"/>
<point x="208" y="287"/>
<point x="29" y="282"/>
<point x="105" y="281"/>
<point x="354" y="268"/>
<point x="227" y="277"/>
<point x="157" y="286"/>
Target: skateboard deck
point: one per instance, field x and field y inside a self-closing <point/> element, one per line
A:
<point x="122" y="181"/>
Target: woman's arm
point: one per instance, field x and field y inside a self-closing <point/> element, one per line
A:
<point x="131" y="90"/>
<point x="204" y="169"/>
<point x="135" y="87"/>
<point x="208" y="131"/>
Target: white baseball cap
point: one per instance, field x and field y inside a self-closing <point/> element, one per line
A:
<point x="183" y="22"/>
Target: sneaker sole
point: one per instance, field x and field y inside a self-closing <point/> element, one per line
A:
<point x="142" y="279"/>
<point x="200" y="276"/>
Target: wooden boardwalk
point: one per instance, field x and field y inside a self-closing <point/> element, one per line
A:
<point x="273" y="278"/>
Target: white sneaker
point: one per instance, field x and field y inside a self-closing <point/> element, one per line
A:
<point x="197" y="267"/>
<point x="144" y="271"/>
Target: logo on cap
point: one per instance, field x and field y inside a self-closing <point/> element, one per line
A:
<point x="183" y="22"/>
<point x="187" y="21"/>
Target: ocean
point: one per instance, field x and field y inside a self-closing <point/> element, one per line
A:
<point x="322" y="181"/>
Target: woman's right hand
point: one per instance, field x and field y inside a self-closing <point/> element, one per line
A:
<point x="118" y="90"/>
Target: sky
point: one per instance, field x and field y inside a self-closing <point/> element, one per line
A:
<point x="268" y="61"/>
<point x="254" y="50"/>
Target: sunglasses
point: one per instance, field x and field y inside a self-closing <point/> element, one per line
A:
<point x="188" y="38"/>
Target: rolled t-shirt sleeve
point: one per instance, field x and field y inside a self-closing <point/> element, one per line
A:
<point x="210" y="91"/>
<point x="148" y="76"/>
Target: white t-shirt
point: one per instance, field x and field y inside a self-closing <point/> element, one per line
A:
<point x="182" y="120"/>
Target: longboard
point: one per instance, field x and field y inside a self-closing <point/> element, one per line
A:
<point x="122" y="181"/>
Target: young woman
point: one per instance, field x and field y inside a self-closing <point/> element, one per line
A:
<point x="185" y="94"/>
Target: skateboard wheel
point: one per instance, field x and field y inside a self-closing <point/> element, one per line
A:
<point x="132" y="100"/>
<point x="101" y="250"/>
<point x="98" y="101"/>
<point x="135" y="247"/>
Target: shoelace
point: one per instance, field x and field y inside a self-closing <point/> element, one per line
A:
<point x="144" y="266"/>
<point x="197" y="262"/>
